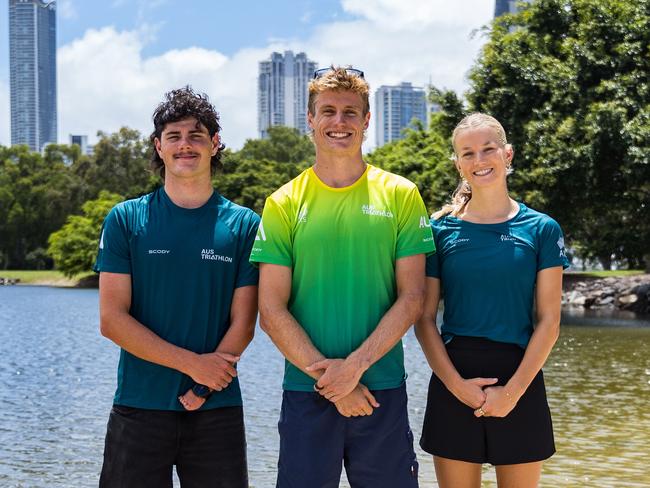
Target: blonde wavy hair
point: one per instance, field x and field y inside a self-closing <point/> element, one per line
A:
<point x="463" y="192"/>
<point x="339" y="79"/>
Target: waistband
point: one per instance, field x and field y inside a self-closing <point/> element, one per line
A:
<point x="480" y="344"/>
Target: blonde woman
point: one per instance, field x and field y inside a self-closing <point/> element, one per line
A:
<point x="495" y="257"/>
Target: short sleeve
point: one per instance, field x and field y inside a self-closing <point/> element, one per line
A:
<point x="247" y="273"/>
<point x="551" y="246"/>
<point x="413" y="232"/>
<point x="114" y="255"/>
<point x="273" y="240"/>
<point x="433" y="260"/>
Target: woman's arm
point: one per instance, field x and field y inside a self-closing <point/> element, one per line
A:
<point x="548" y="296"/>
<point x="469" y="391"/>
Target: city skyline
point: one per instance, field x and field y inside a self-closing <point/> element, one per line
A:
<point x="32" y="60"/>
<point x="282" y="91"/>
<point x="116" y="59"/>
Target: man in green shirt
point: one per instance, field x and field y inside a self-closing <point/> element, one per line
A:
<point x="342" y="251"/>
<point x="178" y="295"/>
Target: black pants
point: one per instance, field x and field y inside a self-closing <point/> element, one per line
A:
<point x="208" y="448"/>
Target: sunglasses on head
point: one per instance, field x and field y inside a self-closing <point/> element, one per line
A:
<point x="351" y="71"/>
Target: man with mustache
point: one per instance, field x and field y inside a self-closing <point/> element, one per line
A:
<point x="179" y="297"/>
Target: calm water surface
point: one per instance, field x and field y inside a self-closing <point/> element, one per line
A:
<point x="57" y="377"/>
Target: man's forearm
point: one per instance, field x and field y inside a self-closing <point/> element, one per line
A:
<point x="391" y="328"/>
<point x="243" y="313"/>
<point x="139" y="340"/>
<point x="290" y="338"/>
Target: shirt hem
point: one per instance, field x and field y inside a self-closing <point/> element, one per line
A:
<point x="270" y="260"/>
<point x="386" y="385"/>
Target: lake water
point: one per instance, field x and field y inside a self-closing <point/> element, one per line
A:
<point x="57" y="378"/>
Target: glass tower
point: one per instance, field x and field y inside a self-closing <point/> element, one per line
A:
<point x="282" y="91"/>
<point x="395" y="109"/>
<point x="32" y="72"/>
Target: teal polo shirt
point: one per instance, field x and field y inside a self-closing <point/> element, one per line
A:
<point x="185" y="265"/>
<point x="488" y="273"/>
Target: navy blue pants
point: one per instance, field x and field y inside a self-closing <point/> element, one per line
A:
<point x="316" y="441"/>
<point x="208" y="448"/>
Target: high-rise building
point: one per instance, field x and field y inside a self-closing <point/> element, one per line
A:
<point x="507" y="6"/>
<point x="82" y="142"/>
<point x="395" y="109"/>
<point x="282" y="91"/>
<point x="32" y="72"/>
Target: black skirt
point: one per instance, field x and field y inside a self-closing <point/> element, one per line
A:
<point x="452" y="431"/>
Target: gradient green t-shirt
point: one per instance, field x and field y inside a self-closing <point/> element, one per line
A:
<point x="342" y="244"/>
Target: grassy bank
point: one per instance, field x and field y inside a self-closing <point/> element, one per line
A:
<point x="47" y="277"/>
<point x="608" y="274"/>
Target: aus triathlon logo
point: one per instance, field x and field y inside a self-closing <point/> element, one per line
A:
<point x="377" y="212"/>
<point x="424" y="222"/>
<point x="210" y="255"/>
<point x="261" y="235"/>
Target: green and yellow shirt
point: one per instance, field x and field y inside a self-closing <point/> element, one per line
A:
<point x="342" y="244"/>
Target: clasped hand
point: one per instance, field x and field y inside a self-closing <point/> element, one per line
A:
<point x="215" y="370"/>
<point x="340" y="377"/>
<point x="498" y="403"/>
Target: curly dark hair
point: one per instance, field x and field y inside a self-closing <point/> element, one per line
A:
<point x="178" y="105"/>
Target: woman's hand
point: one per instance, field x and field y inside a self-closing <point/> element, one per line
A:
<point x="471" y="391"/>
<point x="498" y="403"/>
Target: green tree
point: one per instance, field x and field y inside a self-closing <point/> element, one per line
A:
<point x="36" y="195"/>
<point x="422" y="156"/>
<point x="284" y="145"/>
<point x="74" y="246"/>
<point x="119" y="164"/>
<point x="263" y="165"/>
<point x="569" y="81"/>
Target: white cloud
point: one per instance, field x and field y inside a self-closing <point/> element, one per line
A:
<point x="5" y="130"/>
<point x="401" y="14"/>
<point x="105" y="82"/>
<point x="404" y="40"/>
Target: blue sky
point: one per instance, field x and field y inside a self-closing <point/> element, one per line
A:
<point x="117" y="57"/>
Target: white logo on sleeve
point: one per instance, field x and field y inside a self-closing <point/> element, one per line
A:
<point x="101" y="240"/>
<point x="424" y="222"/>
<point x="560" y="244"/>
<point x="261" y="235"/>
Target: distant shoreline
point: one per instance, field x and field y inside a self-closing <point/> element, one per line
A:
<point x="48" y="278"/>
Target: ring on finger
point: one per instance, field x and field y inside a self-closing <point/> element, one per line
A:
<point x="480" y="412"/>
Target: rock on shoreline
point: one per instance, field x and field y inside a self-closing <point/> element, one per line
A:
<point x="621" y="292"/>
<point x="9" y="281"/>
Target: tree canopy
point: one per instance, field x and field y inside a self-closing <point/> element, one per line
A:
<point x="74" y="246"/>
<point x="569" y="80"/>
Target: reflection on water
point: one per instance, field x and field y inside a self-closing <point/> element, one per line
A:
<point x="57" y="377"/>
